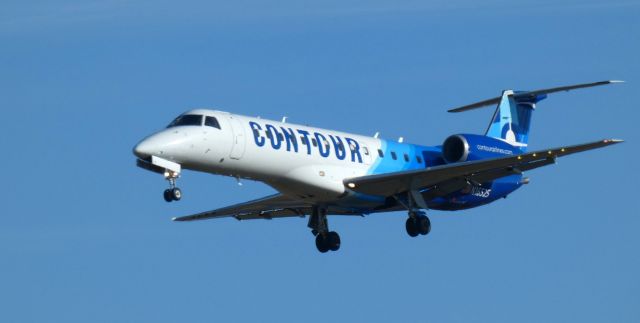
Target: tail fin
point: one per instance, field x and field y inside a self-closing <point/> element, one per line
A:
<point x="512" y="118"/>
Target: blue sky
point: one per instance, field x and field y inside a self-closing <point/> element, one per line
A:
<point x="86" y="236"/>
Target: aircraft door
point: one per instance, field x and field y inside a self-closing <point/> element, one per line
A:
<point x="239" y="145"/>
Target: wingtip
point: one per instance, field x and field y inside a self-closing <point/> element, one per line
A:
<point x="616" y="81"/>
<point x="184" y="218"/>
<point x="613" y="141"/>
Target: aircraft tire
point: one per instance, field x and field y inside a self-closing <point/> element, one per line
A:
<point x="176" y="194"/>
<point x="333" y="241"/>
<point x="412" y="227"/>
<point x="423" y="225"/>
<point x="167" y="195"/>
<point x="321" y="243"/>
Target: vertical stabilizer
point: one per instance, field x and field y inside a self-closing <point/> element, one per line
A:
<point x="512" y="118"/>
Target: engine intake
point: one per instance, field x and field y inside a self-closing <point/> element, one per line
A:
<point x="455" y="149"/>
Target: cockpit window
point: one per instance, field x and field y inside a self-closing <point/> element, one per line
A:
<point x="211" y="122"/>
<point x="186" y="120"/>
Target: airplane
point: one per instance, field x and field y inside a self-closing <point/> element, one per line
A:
<point x="320" y="172"/>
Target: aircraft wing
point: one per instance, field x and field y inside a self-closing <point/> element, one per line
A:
<point x="273" y="206"/>
<point x="276" y="205"/>
<point x="390" y="184"/>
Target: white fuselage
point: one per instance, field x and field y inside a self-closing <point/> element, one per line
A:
<point x="301" y="161"/>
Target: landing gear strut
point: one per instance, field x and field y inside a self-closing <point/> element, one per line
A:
<point x="325" y="240"/>
<point x="172" y="193"/>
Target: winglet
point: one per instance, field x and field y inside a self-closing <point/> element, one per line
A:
<point x="530" y="94"/>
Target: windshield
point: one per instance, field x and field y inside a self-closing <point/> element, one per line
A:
<point x="186" y="120"/>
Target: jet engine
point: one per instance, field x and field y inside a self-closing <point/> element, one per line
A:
<point x="466" y="147"/>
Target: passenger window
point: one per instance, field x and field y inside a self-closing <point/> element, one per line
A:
<point x="393" y="155"/>
<point x="419" y="159"/>
<point x="269" y="134"/>
<point x="213" y="122"/>
<point x="314" y="142"/>
<point x="304" y="140"/>
<point x="380" y="153"/>
<point x="406" y="158"/>
<point x="366" y="150"/>
<point x="256" y="133"/>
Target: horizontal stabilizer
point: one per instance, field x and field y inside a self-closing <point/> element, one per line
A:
<point x="531" y="94"/>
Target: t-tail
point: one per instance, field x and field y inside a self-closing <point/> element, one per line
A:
<point x="512" y="119"/>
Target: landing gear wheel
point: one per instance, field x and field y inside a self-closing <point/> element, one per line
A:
<point x="423" y="224"/>
<point x="412" y="227"/>
<point x="176" y="194"/>
<point x="333" y="241"/>
<point x="168" y="195"/>
<point x="321" y="243"/>
<point x="172" y="194"/>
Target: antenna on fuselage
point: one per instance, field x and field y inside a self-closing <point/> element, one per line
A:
<point x="284" y="119"/>
<point x="376" y="135"/>
<point x="401" y="139"/>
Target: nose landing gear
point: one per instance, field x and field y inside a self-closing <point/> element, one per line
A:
<point x="172" y="193"/>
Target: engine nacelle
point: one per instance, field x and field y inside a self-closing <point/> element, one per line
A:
<point x="465" y="147"/>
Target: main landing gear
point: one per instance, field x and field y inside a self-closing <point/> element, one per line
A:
<point x="418" y="223"/>
<point x="325" y="240"/>
<point x="172" y="193"/>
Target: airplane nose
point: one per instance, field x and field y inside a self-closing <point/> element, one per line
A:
<point x="143" y="149"/>
<point x="165" y="144"/>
